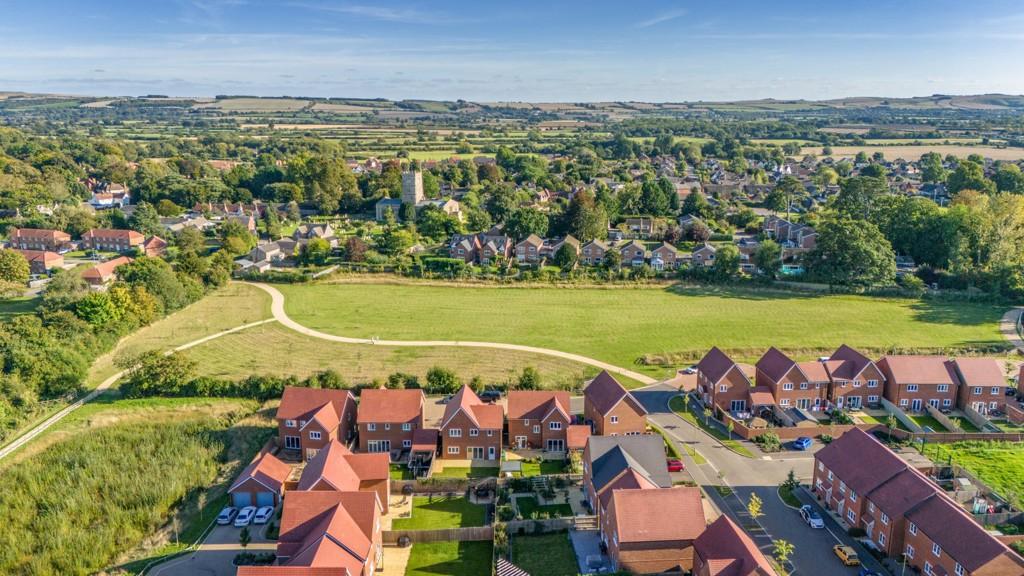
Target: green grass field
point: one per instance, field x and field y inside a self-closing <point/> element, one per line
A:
<point x="431" y="513"/>
<point x="998" y="464"/>
<point x="558" y="558"/>
<point x="11" y="307"/>
<point x="449" y="559"/>
<point x="626" y="325"/>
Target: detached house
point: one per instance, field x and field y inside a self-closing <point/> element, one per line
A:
<point x="611" y="409"/>
<point x="309" y="419"/>
<point x="703" y="256"/>
<point x="40" y="262"/>
<point x="538" y="419"/>
<point x="638" y="537"/>
<point x="594" y="252"/>
<point x="326" y="533"/>
<point x="335" y="467"/>
<point x="529" y="250"/>
<point x="102" y="274"/>
<point x="854" y="380"/>
<point x="982" y="384"/>
<point x="665" y="257"/>
<point x="724" y="549"/>
<point x="722" y="383"/>
<point x="388" y="419"/>
<point x="913" y="382"/>
<point x="471" y="429"/>
<point x="621" y="463"/>
<point x="634" y="253"/>
<point x="801" y="385"/>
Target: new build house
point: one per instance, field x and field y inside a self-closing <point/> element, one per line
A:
<point x="471" y="429"/>
<point x="388" y="419"/>
<point x="335" y="467"/>
<point x="639" y="539"/>
<point x="538" y="419"/>
<point x="903" y="512"/>
<point x="724" y="549"/>
<point x="261" y="483"/>
<point x="913" y="382"/>
<point x="611" y="409"/>
<point x="982" y="384"/>
<point x="308" y="419"/>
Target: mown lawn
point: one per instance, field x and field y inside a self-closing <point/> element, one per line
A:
<point x="623" y="324"/>
<point x="431" y="513"/>
<point x="449" y="559"/>
<point x="467" y="472"/>
<point x="529" y="509"/>
<point x="998" y="464"/>
<point x="558" y="557"/>
<point x="91" y="491"/>
<point x="544" y="467"/>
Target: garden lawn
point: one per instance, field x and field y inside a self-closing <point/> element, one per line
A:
<point x="529" y="509"/>
<point x="449" y="559"/>
<point x="432" y="513"/>
<point x="998" y="464"/>
<point x="622" y="325"/>
<point x="926" y="421"/>
<point x="676" y="404"/>
<point x="467" y="472"/>
<point x="401" y="472"/>
<point x="558" y="558"/>
<point x="544" y="467"/>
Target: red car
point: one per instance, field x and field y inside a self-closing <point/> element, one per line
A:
<point x="675" y="465"/>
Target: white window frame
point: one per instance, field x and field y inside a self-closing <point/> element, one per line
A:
<point x="977" y="390"/>
<point x="490" y="433"/>
<point x="904" y="402"/>
<point x="555" y="425"/>
<point x="849" y="514"/>
<point x="315" y="435"/>
<point x="473" y="432"/>
<point x="872" y="399"/>
<point x="453" y="449"/>
<point x="943" y="388"/>
<point x="615" y="420"/>
<point x="947" y="402"/>
<point x="723" y="388"/>
<point x="881" y="538"/>
<point x="787" y="386"/>
<point x="936" y="550"/>
<point x="536" y="428"/>
<point x="455" y="432"/>
<point x="958" y="569"/>
<point x="909" y="551"/>
<point x="995" y="390"/>
<point x="290" y="424"/>
<point x="407" y="443"/>
<point x="885" y="518"/>
<point x="387" y="426"/>
<point x="912" y="528"/>
<point x="371" y="427"/>
<point x="406" y="427"/>
<point x="784" y="402"/>
<point x="872" y="383"/>
<point x="296" y="440"/>
<point x="803" y="385"/>
<point x="911" y="387"/>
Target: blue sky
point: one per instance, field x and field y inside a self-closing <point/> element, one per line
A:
<point x="516" y="50"/>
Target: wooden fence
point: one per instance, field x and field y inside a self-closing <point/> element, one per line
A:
<point x="474" y="534"/>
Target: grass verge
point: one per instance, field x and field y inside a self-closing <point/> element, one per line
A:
<point x="678" y="405"/>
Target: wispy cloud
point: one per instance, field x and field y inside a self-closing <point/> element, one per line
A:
<point x="660" y="19"/>
<point x="405" y="15"/>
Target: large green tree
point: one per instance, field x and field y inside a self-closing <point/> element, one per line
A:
<point x="851" y="253"/>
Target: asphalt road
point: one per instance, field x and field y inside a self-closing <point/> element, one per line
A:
<point x="762" y="475"/>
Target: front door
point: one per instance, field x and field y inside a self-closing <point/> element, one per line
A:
<point x="521" y="442"/>
<point x="916" y="404"/>
<point x="491" y="453"/>
<point x="556" y="445"/>
<point x="839" y="402"/>
<point x="476" y="452"/>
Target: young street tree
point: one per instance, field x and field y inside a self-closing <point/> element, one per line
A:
<point x="755" y="507"/>
<point x="783" y="550"/>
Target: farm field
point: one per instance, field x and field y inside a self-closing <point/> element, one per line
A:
<point x="998" y="464"/>
<point x="184" y="451"/>
<point x="449" y="559"/>
<point x="272" y="349"/>
<point x="630" y="326"/>
<point x="231" y="306"/>
<point x="914" y="152"/>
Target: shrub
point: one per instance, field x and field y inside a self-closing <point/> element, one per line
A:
<point x="769" y="442"/>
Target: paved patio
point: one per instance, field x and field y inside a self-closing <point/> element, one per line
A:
<point x="587" y="544"/>
<point x="395" y="560"/>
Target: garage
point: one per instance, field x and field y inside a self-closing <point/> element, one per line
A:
<point x="266" y="499"/>
<point x="261" y="483"/>
<point x="241" y="499"/>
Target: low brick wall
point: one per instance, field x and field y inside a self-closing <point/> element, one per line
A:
<point x="792" y="433"/>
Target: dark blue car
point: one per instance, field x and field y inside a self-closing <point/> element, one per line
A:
<point x="802" y="443"/>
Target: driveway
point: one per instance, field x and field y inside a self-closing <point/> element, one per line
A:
<point x="745" y="476"/>
<point x="216" y="554"/>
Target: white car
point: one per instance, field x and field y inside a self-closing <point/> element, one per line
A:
<point x="263" y="515"/>
<point x="812" y="518"/>
<point x="227" y="515"/>
<point x="245" y="516"/>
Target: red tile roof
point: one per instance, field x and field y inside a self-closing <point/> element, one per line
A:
<point x="931" y="370"/>
<point x="902" y="492"/>
<point x="39" y="234"/>
<point x="424" y="439"/>
<point x="604" y="392"/>
<point x="846" y="457"/>
<point x="291" y="571"/>
<point x="536" y="404"/>
<point x="729" y="551"/>
<point x="639" y="515"/>
<point x="948" y="525"/>
<point x="328" y="529"/>
<point x="383" y="405"/>
<point x="339" y="468"/>
<point x="105" y="271"/>
<point x="131" y="235"/>
<point x="576" y="436"/>
<point x="814" y="370"/>
<point x="49" y="259"/>
<point x="628" y="479"/>
<point x="485" y="416"/>
<point x="774" y="364"/>
<point x="715" y="365"/>
<point x="761" y="396"/>
<point x="265" y="469"/>
<point x="326" y="406"/>
<point x="846" y="363"/>
<point x="980" y="371"/>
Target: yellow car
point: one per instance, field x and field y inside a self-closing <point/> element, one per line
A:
<point x="847" y="555"/>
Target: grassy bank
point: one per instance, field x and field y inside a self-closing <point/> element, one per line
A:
<point x="623" y="324"/>
<point x="998" y="464"/>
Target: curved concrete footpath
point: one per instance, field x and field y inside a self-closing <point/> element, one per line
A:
<point x="1008" y="327"/>
<point x="49" y="422"/>
<point x="277" y="308"/>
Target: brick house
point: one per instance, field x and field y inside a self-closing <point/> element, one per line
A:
<point x="309" y="418"/>
<point x="913" y="382"/>
<point x="854" y="380"/>
<point x="112" y="240"/>
<point x="703" y="256"/>
<point x="722" y="383"/>
<point x="40" y="262"/>
<point x="593" y="252"/>
<point x="154" y="246"/>
<point x="326" y="532"/>
<point x="640" y="227"/>
<point x="470" y="428"/>
<point x="611" y="409"/>
<point x="335" y="467"/>
<point x="530" y="249"/>
<point x="102" y="274"/>
<point x="903" y="512"/>
<point x="633" y="253"/>
<point x="665" y="257"/>
<point x="538" y="419"/>
<point x="483" y="248"/>
<point x="724" y="549"/>
<point x="39" y="239"/>
<point x="569" y="240"/>
<point x="261" y="483"/>
<point x="622" y="462"/>
<point x="790" y="385"/>
<point x="388" y="419"/>
<point x="638" y="538"/>
<point x="982" y="384"/>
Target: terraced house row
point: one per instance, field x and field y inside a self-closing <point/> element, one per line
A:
<point x="904" y="513"/>
<point x="851" y="380"/>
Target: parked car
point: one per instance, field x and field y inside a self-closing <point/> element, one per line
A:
<point x="245" y="515"/>
<point x="802" y="443"/>
<point x="675" y="465"/>
<point x="847" y="555"/>
<point x="446" y="399"/>
<point x="227" y="515"/>
<point x="690" y="370"/>
<point x="263" y="515"/>
<point x="812" y="518"/>
<point x="490" y="395"/>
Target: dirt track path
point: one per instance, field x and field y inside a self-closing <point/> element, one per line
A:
<point x="277" y="309"/>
